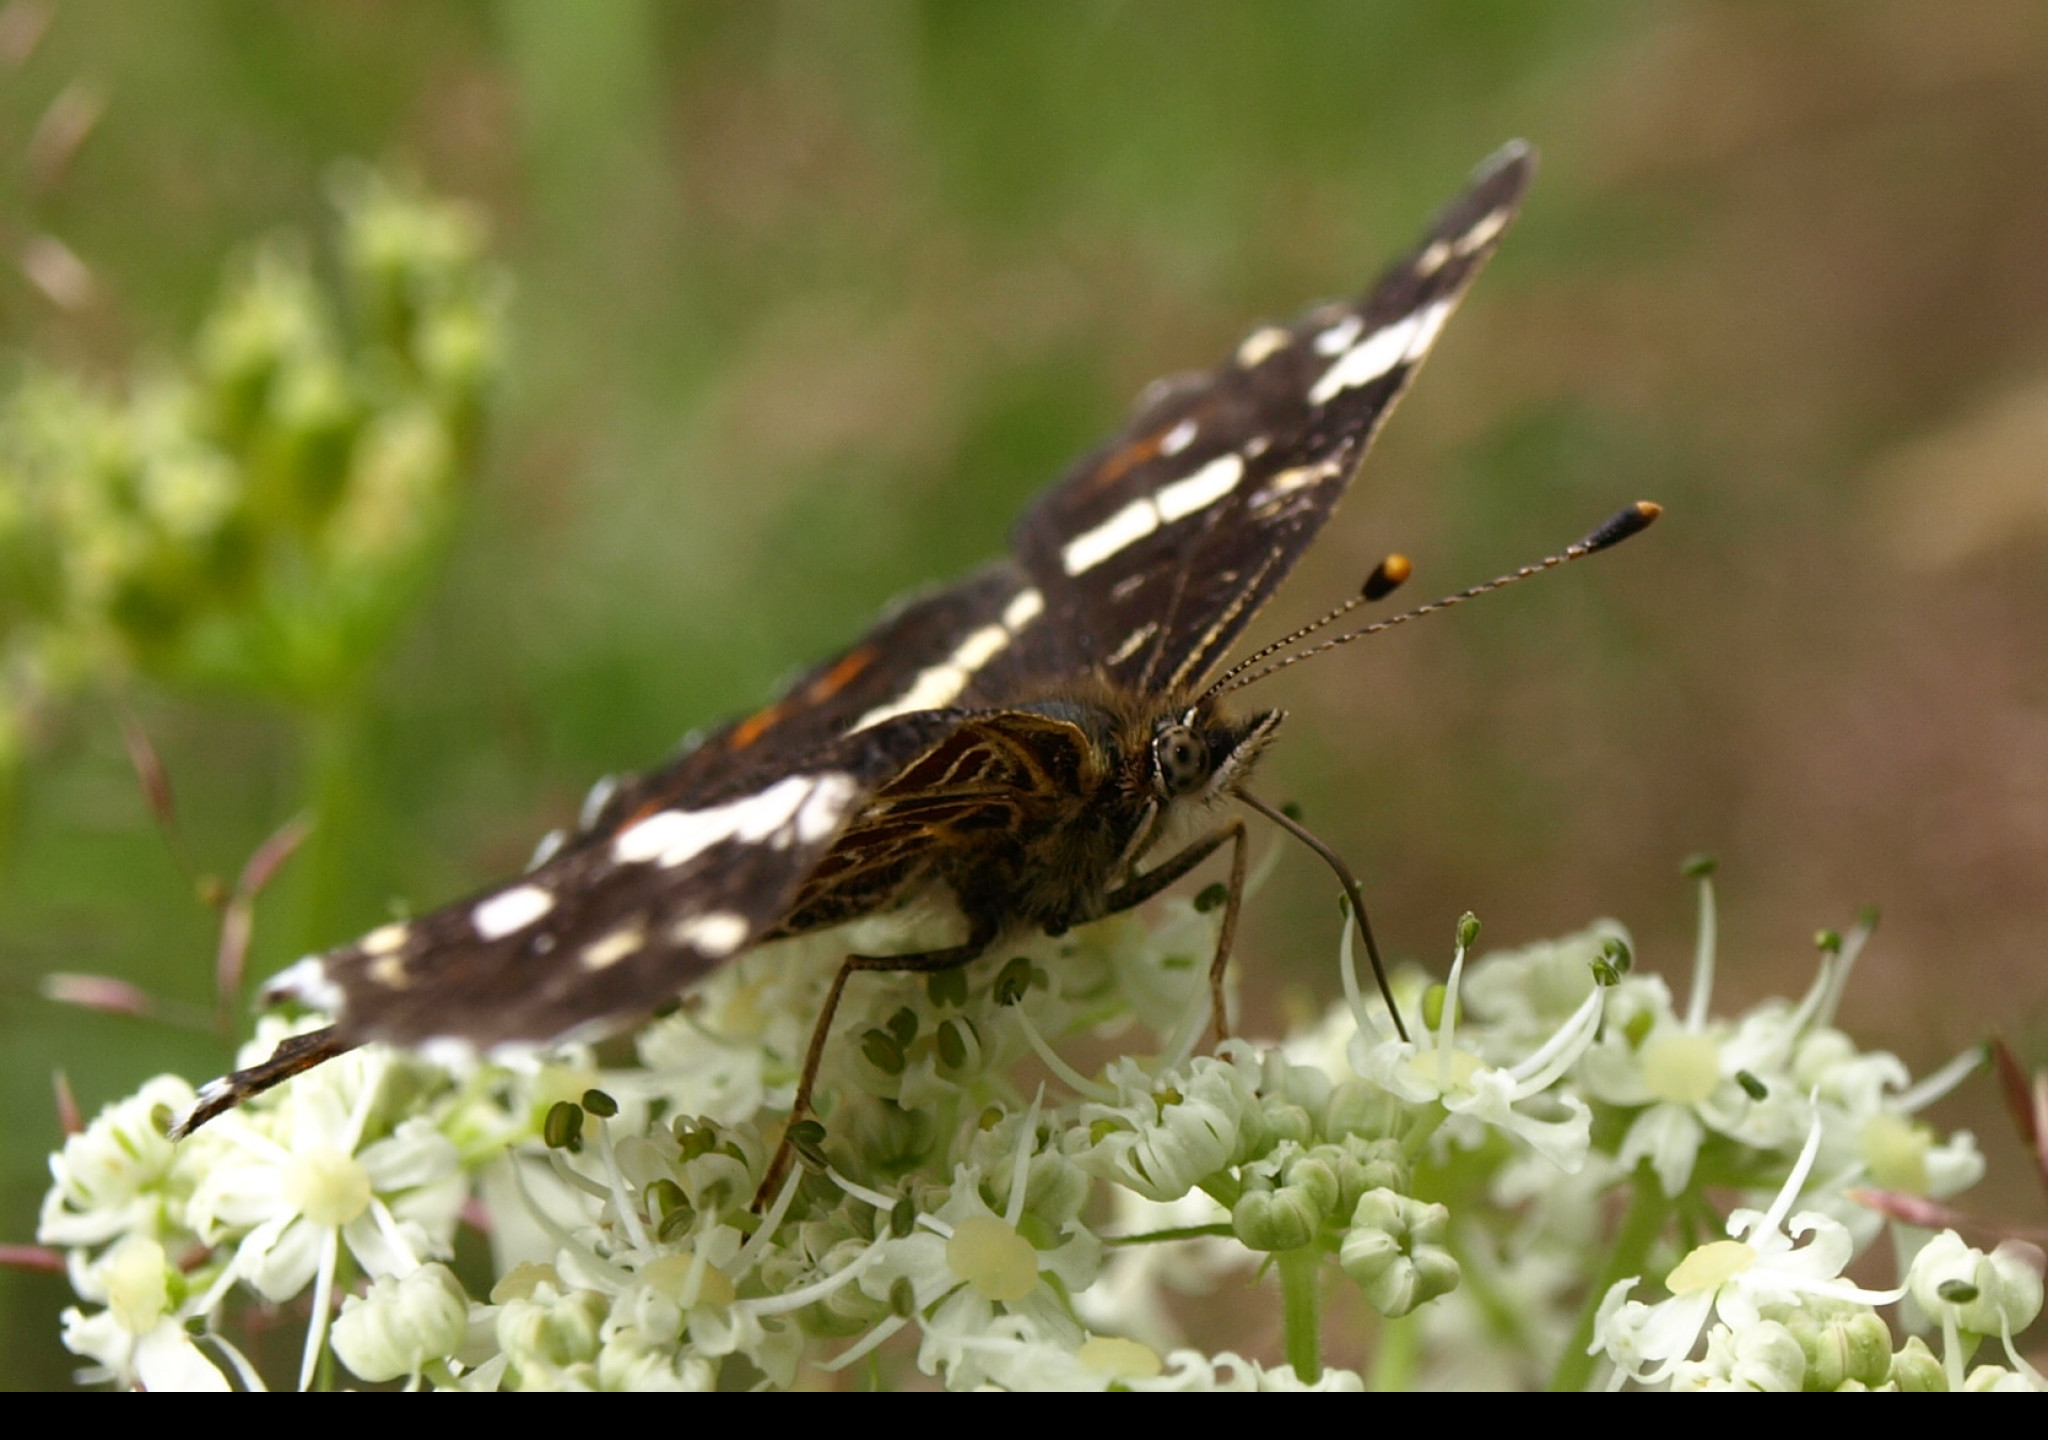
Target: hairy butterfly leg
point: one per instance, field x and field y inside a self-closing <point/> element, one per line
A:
<point x="1143" y="887"/>
<point x="950" y="958"/>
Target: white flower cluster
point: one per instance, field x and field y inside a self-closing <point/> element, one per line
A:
<point x="1032" y="1235"/>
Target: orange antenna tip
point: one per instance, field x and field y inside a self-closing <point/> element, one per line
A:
<point x="1632" y="521"/>
<point x="1387" y="577"/>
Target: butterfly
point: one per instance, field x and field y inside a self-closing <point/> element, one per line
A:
<point x="1019" y="742"/>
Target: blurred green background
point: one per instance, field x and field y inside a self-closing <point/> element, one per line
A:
<point x="809" y="298"/>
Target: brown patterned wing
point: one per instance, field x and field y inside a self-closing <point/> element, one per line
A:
<point x="1156" y="550"/>
<point x="1011" y="774"/>
<point x="617" y="921"/>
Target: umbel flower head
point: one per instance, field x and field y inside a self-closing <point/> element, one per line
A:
<point x="953" y="1221"/>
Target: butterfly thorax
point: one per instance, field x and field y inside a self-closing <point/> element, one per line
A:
<point x="1028" y="817"/>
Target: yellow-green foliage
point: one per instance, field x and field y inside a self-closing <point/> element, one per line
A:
<point x="260" y="514"/>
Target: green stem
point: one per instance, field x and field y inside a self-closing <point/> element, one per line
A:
<point x="1423" y="1123"/>
<point x="1397" y="1358"/>
<point x="1647" y="1211"/>
<point x="335" y="786"/>
<point x="1301" y="1295"/>
<point x="1181" y="1232"/>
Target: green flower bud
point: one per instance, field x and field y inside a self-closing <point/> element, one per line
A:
<point x="1283" y="1219"/>
<point x="551" y="1330"/>
<point x="1394" y="1252"/>
<point x="1996" y="1379"/>
<point x="1361" y="1111"/>
<point x="1317" y="1176"/>
<point x="402" y="1323"/>
<point x="1849" y="1346"/>
<point x="1987" y="1294"/>
<point x="1280" y="1122"/>
<point x="1918" y="1370"/>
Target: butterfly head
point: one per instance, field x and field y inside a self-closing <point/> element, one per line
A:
<point x="1198" y="753"/>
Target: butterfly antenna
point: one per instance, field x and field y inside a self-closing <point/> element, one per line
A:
<point x="1351" y="889"/>
<point x="1387" y="577"/>
<point x="1632" y="521"/>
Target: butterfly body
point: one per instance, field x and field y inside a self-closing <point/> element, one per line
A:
<point x="1033" y="744"/>
<point x="1031" y="818"/>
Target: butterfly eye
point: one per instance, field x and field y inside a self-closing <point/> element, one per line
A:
<point x="1180" y="759"/>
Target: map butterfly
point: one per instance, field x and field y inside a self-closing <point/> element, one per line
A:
<point x="1019" y="741"/>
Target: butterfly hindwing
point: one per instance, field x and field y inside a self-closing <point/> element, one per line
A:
<point x="620" y="918"/>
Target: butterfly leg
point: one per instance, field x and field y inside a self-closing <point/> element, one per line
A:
<point x="952" y="957"/>
<point x="1141" y="888"/>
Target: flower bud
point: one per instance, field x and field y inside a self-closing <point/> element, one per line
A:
<point x="1852" y="1346"/>
<point x="1987" y="1294"/>
<point x="402" y="1323"/>
<point x="1394" y="1251"/>
<point x="551" y="1330"/>
<point x="1916" y="1369"/>
<point x="1283" y="1219"/>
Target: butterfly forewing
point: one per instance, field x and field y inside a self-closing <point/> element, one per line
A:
<point x="927" y="739"/>
<point x="1157" y="549"/>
